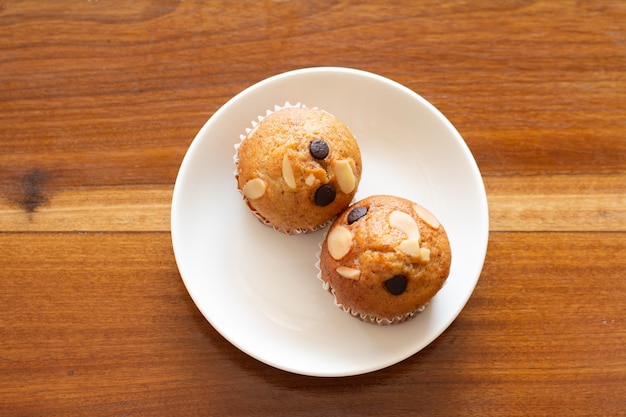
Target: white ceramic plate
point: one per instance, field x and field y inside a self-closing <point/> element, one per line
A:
<point x="259" y="288"/>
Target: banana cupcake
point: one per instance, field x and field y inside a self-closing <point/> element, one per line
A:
<point x="298" y="168"/>
<point x="384" y="258"/>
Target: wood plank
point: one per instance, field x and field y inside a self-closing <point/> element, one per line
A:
<point x="516" y="203"/>
<point x="114" y="107"/>
<point x="121" y="208"/>
<point x="100" y="324"/>
<point x="557" y="202"/>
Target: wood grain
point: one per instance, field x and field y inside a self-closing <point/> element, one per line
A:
<point x="99" y="102"/>
<point x="557" y="203"/>
<point x="133" y="208"/>
<point x="516" y="203"/>
<point x="102" y="324"/>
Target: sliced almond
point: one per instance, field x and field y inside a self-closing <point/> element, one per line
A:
<point x="339" y="242"/>
<point x="288" y="173"/>
<point x="310" y="180"/>
<point x="254" y="188"/>
<point x="425" y="254"/>
<point x="349" y="273"/>
<point x="427" y="216"/>
<point x="345" y="175"/>
<point x="406" y="223"/>
<point x="410" y="246"/>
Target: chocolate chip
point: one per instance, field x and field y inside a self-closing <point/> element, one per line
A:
<point x="325" y="195"/>
<point x="396" y="285"/>
<point x="319" y="149"/>
<point x="356" y="213"/>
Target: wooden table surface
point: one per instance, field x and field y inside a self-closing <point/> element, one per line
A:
<point x="99" y="101"/>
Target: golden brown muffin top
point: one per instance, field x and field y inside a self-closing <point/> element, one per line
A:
<point x="385" y="257"/>
<point x="298" y="168"/>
